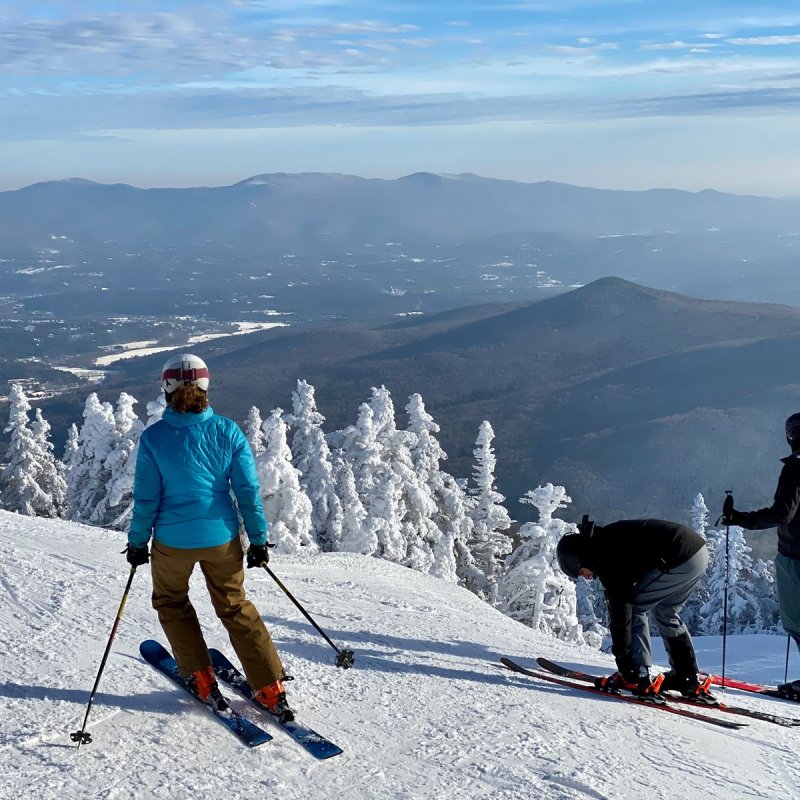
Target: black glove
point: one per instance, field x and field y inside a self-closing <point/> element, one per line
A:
<point x="137" y="555"/>
<point x="728" y="511"/>
<point x="257" y="554"/>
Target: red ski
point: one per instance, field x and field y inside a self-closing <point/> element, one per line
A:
<point x="787" y="722"/>
<point x="755" y="688"/>
<point x="627" y="698"/>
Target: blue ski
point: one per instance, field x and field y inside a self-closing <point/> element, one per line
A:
<point x="248" y="732"/>
<point x="317" y="745"/>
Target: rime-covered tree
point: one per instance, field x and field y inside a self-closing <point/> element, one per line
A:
<point x="121" y="462"/>
<point x="589" y="600"/>
<point x="699" y="515"/>
<point x="253" y="432"/>
<point x="744" y="607"/>
<point x="87" y="473"/>
<point x="155" y="410"/>
<point x="533" y="589"/>
<point x="20" y="489"/>
<point x="378" y="485"/>
<point x="312" y="457"/>
<point x="489" y="543"/>
<point x="51" y="475"/>
<point x="690" y="614"/>
<point x="287" y="509"/>
<point x="441" y="507"/>
<point x="358" y="535"/>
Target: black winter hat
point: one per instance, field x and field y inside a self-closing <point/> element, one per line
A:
<point x="570" y="553"/>
<point x="793" y="427"/>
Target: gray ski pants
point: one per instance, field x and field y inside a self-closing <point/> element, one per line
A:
<point x="787" y="576"/>
<point x="665" y="594"/>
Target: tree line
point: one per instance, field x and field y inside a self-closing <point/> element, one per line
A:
<point x="381" y="490"/>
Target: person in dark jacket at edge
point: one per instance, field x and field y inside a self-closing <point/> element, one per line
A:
<point x="783" y="515"/>
<point x="644" y="565"/>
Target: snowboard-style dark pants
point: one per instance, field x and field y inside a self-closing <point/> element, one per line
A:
<point x="665" y="594"/>
<point x="787" y="576"/>
<point x="222" y="567"/>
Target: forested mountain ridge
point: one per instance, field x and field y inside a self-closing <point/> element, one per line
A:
<point x="634" y="399"/>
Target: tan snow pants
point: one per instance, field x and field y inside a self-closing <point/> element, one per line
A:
<point x="224" y="573"/>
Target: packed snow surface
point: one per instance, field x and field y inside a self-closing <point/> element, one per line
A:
<point x="425" y="713"/>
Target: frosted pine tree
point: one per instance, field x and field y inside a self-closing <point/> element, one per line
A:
<point x="155" y="410"/>
<point x="533" y="590"/>
<point x="765" y="590"/>
<point x="441" y="498"/>
<point x="121" y="463"/>
<point x="690" y="614"/>
<point x="287" y="509"/>
<point x="19" y="488"/>
<point x="744" y="608"/>
<point x="489" y="544"/>
<point x="699" y="515"/>
<point x="253" y="432"/>
<point x="87" y="474"/>
<point x="357" y="534"/>
<point x="587" y="604"/>
<point x="51" y="472"/>
<point x="379" y="485"/>
<point x="312" y="457"/>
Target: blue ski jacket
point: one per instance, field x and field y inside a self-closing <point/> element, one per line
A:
<point x="186" y="467"/>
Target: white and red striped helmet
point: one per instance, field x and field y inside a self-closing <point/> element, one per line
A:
<point x="184" y="368"/>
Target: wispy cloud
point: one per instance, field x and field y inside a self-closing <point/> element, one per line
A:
<point x="766" y="41"/>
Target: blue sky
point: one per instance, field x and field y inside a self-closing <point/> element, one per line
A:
<point x="627" y="94"/>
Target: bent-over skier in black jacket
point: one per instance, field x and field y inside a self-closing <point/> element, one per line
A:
<point x="644" y="565"/>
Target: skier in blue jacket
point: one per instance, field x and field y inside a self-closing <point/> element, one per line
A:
<point x="188" y="464"/>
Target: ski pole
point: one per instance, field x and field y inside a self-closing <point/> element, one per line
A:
<point x="344" y="658"/>
<point x="728" y="505"/>
<point x="83" y="736"/>
<point x="786" y="668"/>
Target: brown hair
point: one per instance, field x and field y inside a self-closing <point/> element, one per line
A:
<point x="188" y="397"/>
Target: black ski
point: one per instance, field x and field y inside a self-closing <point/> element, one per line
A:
<point x="573" y="684"/>
<point x="310" y="740"/>
<point x="248" y="732"/>
<point x="776" y="719"/>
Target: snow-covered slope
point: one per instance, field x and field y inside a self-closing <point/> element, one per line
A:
<point x="426" y="712"/>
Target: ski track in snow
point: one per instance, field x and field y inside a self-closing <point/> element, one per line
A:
<point x="426" y="713"/>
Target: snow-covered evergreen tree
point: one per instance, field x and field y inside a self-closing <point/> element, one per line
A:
<point x="699" y="515"/>
<point x="287" y="509"/>
<point x="121" y="463"/>
<point x="87" y="473"/>
<point x="253" y="432"/>
<point x="312" y="457"/>
<point x="438" y="500"/>
<point x="20" y="490"/>
<point x="533" y="589"/>
<point x="51" y="473"/>
<point x="489" y="543"/>
<point x="358" y="535"/>
<point x="691" y="614"/>
<point x="744" y="607"/>
<point x="765" y="590"/>
<point x="378" y="485"/>
<point x="589" y="600"/>
<point x="155" y="409"/>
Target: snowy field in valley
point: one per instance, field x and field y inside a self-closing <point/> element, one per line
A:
<point x="425" y="713"/>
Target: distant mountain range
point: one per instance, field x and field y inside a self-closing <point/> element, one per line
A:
<point x="634" y="398"/>
<point x="326" y="245"/>
<point x="319" y="211"/>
